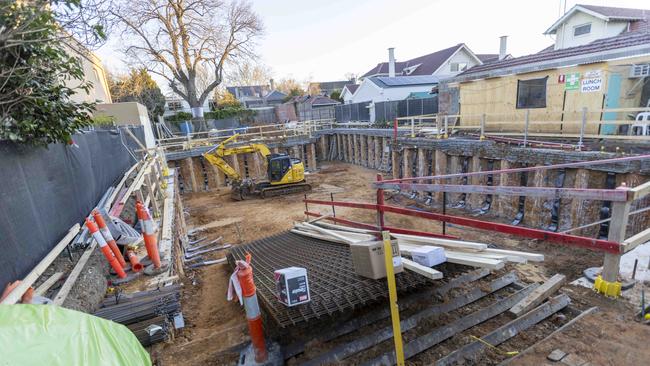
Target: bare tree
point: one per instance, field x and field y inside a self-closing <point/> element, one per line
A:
<point x="189" y="43"/>
<point x="248" y="73"/>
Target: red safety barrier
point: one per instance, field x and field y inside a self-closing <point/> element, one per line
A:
<point x="136" y="266"/>
<point x="149" y="233"/>
<point x="565" y="239"/>
<point x="103" y="246"/>
<point x="253" y="315"/>
<point x="99" y="219"/>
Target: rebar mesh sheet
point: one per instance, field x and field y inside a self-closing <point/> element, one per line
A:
<point x="333" y="285"/>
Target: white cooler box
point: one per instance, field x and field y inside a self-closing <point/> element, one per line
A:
<point x="428" y="255"/>
<point x="292" y="286"/>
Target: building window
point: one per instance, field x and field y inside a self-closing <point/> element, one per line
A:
<point x="174" y="105"/>
<point x="581" y="29"/>
<point x="458" y="66"/>
<point x="531" y="93"/>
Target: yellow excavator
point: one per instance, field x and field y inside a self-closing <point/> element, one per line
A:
<point x="285" y="174"/>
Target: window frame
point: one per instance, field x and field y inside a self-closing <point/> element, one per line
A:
<point x="576" y="27"/>
<point x="458" y="69"/>
<point x="519" y="81"/>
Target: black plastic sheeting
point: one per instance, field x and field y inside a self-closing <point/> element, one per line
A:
<point x="44" y="191"/>
<point x="555" y="208"/>
<point x="606" y="209"/>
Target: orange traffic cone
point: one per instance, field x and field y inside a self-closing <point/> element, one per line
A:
<point x="149" y="233"/>
<point x="103" y="229"/>
<point x="110" y="257"/>
<point x="136" y="266"/>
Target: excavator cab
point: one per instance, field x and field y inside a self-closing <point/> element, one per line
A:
<point x="283" y="169"/>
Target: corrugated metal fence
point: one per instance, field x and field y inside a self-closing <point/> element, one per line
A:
<point x="353" y="112"/>
<point x="387" y="111"/>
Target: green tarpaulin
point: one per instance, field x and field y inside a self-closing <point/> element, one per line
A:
<point x="51" y="335"/>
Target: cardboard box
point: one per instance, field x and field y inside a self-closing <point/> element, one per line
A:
<point x="292" y="286"/>
<point x="368" y="259"/>
<point x="428" y="255"/>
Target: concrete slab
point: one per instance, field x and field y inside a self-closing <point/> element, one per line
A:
<point x="556" y="355"/>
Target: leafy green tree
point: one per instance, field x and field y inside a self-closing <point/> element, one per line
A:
<point x="37" y="67"/>
<point x="336" y="95"/>
<point x="139" y="86"/>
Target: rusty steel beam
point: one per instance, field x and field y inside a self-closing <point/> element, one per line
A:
<point x="565" y="239"/>
<point x="617" y="195"/>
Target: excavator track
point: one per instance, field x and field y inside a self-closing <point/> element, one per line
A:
<point x="273" y="191"/>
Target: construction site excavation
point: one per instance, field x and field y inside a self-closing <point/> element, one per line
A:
<point x="454" y="208"/>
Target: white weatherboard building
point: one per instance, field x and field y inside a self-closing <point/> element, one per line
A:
<point x="584" y="24"/>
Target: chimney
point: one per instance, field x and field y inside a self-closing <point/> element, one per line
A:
<point x="391" y="62"/>
<point x="502" y="47"/>
<point x="271" y="83"/>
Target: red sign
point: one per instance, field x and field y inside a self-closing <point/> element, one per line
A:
<point x="561" y="79"/>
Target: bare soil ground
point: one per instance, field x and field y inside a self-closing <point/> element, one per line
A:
<point x="214" y="326"/>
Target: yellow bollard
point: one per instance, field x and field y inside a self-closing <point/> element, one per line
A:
<point x="392" y="292"/>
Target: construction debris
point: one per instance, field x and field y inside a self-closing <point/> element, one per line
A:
<point x="539" y="295"/>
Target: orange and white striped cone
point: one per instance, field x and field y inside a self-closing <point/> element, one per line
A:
<point x="103" y="246"/>
<point x="103" y="229"/>
<point x="253" y="314"/>
<point x="136" y="266"/>
<point x="150" y="240"/>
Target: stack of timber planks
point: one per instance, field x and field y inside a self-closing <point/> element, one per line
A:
<point x="456" y="251"/>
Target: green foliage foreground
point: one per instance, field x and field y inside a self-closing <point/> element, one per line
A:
<point x="35" y="104"/>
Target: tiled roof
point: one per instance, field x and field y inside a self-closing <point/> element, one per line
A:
<point x="314" y="100"/>
<point x="275" y="95"/>
<point x="352" y="87"/>
<point x="248" y="90"/>
<point x="487" y="57"/>
<point x="428" y="63"/>
<point x="321" y="100"/>
<point x="599" y="50"/>
<point x="618" y="13"/>
<point x="330" y="85"/>
<point x="401" y="81"/>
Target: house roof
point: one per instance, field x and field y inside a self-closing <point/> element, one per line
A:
<point x="314" y="100"/>
<point x="606" y="13"/>
<point x="275" y="95"/>
<point x="385" y="82"/>
<point x="426" y="65"/>
<point x="351" y="87"/>
<point x="487" y="57"/>
<point x="320" y="100"/>
<point x="248" y="90"/>
<point x="329" y="85"/>
<point x="624" y="45"/>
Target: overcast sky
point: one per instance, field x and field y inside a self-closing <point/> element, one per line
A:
<point x="324" y="40"/>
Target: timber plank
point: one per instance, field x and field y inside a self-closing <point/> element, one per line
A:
<point x="539" y="295"/>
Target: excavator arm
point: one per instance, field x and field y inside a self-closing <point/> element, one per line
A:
<point x="215" y="156"/>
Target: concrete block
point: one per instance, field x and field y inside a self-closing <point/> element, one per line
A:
<point x="556" y="355"/>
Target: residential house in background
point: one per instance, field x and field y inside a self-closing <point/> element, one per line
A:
<point x="417" y="75"/>
<point x="327" y="87"/>
<point x="275" y="97"/>
<point x="348" y="91"/>
<point x="385" y="88"/>
<point x="175" y="104"/>
<point x="555" y="85"/>
<point x="93" y="72"/>
<point x="444" y="63"/>
<point x="312" y="107"/>
<point x="584" y="24"/>
<point x="250" y="95"/>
